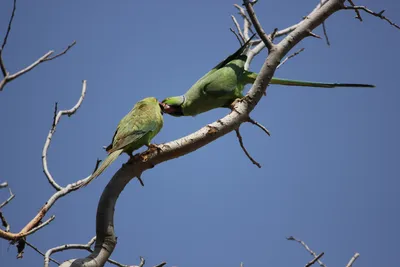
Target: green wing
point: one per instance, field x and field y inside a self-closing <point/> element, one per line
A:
<point x="127" y="135"/>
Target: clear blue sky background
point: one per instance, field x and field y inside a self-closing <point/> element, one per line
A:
<point x="330" y="172"/>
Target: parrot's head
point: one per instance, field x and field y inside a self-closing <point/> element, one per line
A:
<point x="173" y="105"/>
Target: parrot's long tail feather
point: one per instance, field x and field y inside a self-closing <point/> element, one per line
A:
<point x="110" y="159"/>
<point x="316" y="84"/>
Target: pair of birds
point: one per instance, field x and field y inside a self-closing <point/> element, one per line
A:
<point x="217" y="88"/>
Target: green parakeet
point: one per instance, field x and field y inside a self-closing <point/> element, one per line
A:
<point x="225" y="83"/>
<point x="135" y="130"/>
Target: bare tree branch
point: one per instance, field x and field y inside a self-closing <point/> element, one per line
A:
<point x="358" y="15"/>
<point x="378" y="15"/>
<point x="2" y="65"/>
<point x="8" y="199"/>
<point x="7" y="77"/>
<point x="238" y="29"/>
<point x="246" y="22"/>
<point x="61" y="191"/>
<point x="292" y="238"/>
<point x="259" y="125"/>
<point x="239" y="136"/>
<point x="353" y="259"/>
<point x="4" y="222"/>
<point x="87" y="247"/>
<point x="289" y="57"/>
<point x="41" y="253"/>
<point x="40" y="226"/>
<point x="56" y="120"/>
<point x="266" y="39"/>
<point x="314" y="260"/>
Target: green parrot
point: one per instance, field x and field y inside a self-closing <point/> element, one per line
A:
<point x="224" y="84"/>
<point x="135" y="130"/>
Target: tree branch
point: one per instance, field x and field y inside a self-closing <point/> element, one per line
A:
<point x="239" y="136"/>
<point x="7" y="77"/>
<point x="2" y="65"/>
<point x="292" y="238"/>
<point x="314" y="260"/>
<point x="289" y="57"/>
<point x="56" y="120"/>
<point x="8" y="199"/>
<point x="378" y="15"/>
<point x="266" y="39"/>
<point x="3" y="185"/>
<point x="61" y="191"/>
<point x="353" y="259"/>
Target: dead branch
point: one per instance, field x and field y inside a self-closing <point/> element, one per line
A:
<point x="56" y="120"/>
<point x="292" y="238"/>
<point x="378" y="15"/>
<point x="289" y="57"/>
<point x="358" y="15"/>
<point x="259" y="125"/>
<point x="41" y="253"/>
<point x="266" y="39"/>
<point x="2" y="66"/>
<point x="238" y="29"/>
<point x="4" y="222"/>
<point x="87" y="247"/>
<point x="32" y="226"/>
<point x="315" y="260"/>
<point x="8" y="199"/>
<point x="46" y="57"/>
<point x="239" y="136"/>
<point x="353" y="259"/>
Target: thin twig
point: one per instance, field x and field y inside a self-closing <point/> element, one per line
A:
<point x="314" y="260"/>
<point x="237" y="36"/>
<point x="8" y="199"/>
<point x="289" y="57"/>
<point x="292" y="238"/>
<point x="238" y="28"/>
<point x="41" y="253"/>
<point x="324" y="30"/>
<point x="2" y="65"/>
<point x="257" y="25"/>
<point x="161" y="264"/>
<point x="353" y="259"/>
<point x="62" y="53"/>
<point x="246" y="22"/>
<point x="39" y="226"/>
<point x="358" y="15"/>
<point x="262" y="127"/>
<point x="4" y="222"/>
<point x="379" y="15"/>
<point x="239" y="136"/>
<point x="56" y="120"/>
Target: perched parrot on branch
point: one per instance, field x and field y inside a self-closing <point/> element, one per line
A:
<point x="135" y="130"/>
<point x="224" y="84"/>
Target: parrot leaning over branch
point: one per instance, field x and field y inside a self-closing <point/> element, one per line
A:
<point x="224" y="84"/>
<point x="135" y="130"/>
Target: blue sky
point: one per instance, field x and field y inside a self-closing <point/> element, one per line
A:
<point x="330" y="172"/>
